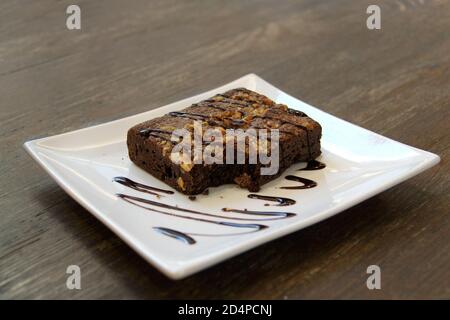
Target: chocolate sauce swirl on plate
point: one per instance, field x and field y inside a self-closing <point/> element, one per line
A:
<point x="144" y="188"/>
<point x="263" y="213"/>
<point x="140" y="186"/>
<point x="281" y="201"/>
<point x="306" y="183"/>
<point x="313" y="165"/>
<point x="186" y="237"/>
<point x="140" y="201"/>
<point x="180" y="236"/>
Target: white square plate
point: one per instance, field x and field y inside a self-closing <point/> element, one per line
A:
<point x="359" y="163"/>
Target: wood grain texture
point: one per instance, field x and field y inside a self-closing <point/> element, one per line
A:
<point x="129" y="58"/>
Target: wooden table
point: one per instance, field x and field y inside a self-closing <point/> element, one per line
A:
<point x="135" y="56"/>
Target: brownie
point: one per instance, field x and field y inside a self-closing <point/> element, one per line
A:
<point x="150" y="144"/>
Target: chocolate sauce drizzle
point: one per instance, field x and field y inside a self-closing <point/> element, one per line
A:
<point x="281" y="201"/>
<point x="136" y="201"/>
<point x="263" y="213"/>
<point x="239" y="122"/>
<point x="157" y="133"/>
<point x="297" y="113"/>
<point x="190" y="115"/>
<point x="144" y="188"/>
<point x="139" y="186"/>
<point x="180" y="236"/>
<point x="209" y="119"/>
<point x="187" y="237"/>
<point x="306" y="183"/>
<point x="147" y="131"/>
<point x="313" y="165"/>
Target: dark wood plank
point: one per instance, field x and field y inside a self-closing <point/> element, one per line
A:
<point x="134" y="57"/>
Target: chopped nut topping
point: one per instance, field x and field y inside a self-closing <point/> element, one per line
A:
<point x="259" y="111"/>
<point x="180" y="183"/>
<point x="186" y="166"/>
<point x="168" y="128"/>
<point x="166" y="149"/>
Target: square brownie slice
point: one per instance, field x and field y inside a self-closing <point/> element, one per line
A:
<point x="150" y="143"/>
